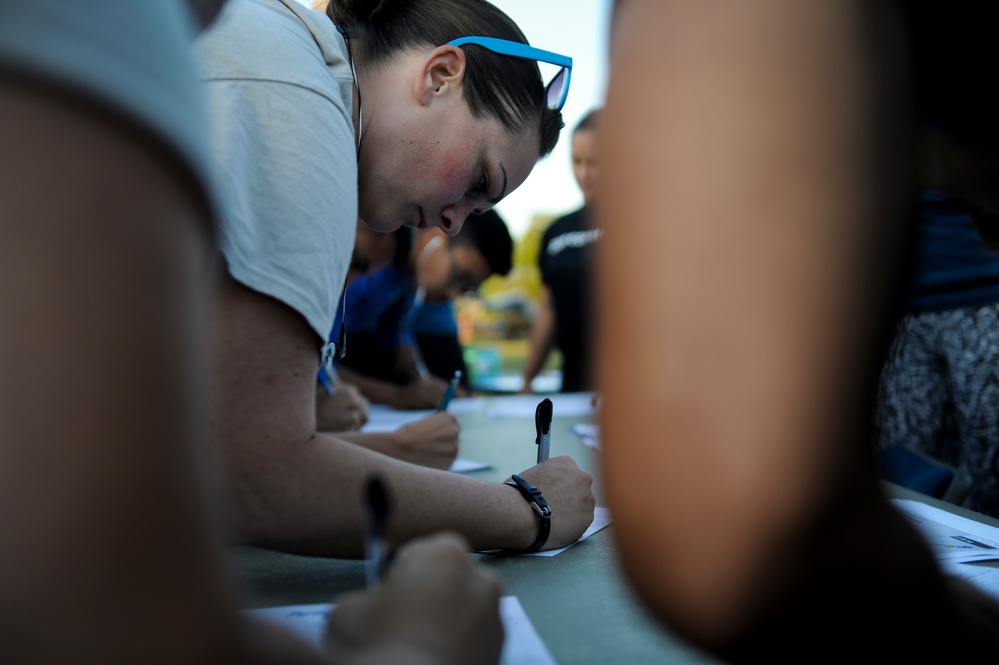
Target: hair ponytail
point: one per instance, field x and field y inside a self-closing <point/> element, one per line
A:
<point x="371" y="16"/>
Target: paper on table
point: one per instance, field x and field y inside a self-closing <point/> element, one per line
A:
<point x="601" y="518"/>
<point x="521" y="646"/>
<point x="463" y="465"/>
<point x="466" y="405"/>
<point x="569" y="405"/>
<point x="985" y="578"/>
<point x="957" y="542"/>
<point x="951" y="537"/>
<point x="389" y="420"/>
<point x="589" y="433"/>
<point x="384" y="419"/>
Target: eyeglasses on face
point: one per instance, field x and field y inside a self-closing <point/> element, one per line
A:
<point x="557" y="89"/>
<point x="463" y="281"/>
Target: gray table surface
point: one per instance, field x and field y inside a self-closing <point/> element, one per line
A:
<point x="578" y="600"/>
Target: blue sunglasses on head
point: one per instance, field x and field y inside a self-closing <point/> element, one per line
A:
<point x="557" y="89"/>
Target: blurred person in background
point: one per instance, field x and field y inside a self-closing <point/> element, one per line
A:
<point x="563" y="318"/>
<point x="758" y="177"/>
<point x="449" y="267"/>
<point x="112" y="546"/>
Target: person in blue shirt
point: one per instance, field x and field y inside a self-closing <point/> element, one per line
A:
<point x="389" y="309"/>
<point x="446" y="268"/>
<point x="373" y="315"/>
<point x="342" y="406"/>
<point x="566" y="257"/>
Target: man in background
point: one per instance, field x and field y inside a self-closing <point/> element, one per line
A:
<point x="563" y="318"/>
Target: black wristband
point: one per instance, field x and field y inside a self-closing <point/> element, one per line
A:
<point x="533" y="496"/>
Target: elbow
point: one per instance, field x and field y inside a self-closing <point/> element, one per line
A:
<point x="255" y="515"/>
<point x="682" y="598"/>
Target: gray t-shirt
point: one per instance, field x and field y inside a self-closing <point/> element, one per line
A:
<point x="129" y="59"/>
<point x="279" y="93"/>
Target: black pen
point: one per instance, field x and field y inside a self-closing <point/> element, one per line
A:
<point x="543" y="424"/>
<point x="449" y="391"/>
<point x="376" y="549"/>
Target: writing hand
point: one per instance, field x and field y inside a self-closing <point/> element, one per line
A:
<point x="569" y="493"/>
<point x="430" y="441"/>
<point x="346" y="410"/>
<point x="435" y="605"/>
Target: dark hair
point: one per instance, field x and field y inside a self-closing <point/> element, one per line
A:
<point x="507" y="88"/>
<point x="589" y="121"/>
<point x="487" y="233"/>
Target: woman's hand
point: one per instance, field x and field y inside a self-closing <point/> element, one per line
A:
<point x="435" y="605"/>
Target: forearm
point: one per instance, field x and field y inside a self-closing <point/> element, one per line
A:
<point x="103" y="507"/>
<point x="400" y="447"/>
<point x="295" y="489"/>
<point x="428" y="441"/>
<point x="773" y="409"/>
<point x="306" y="498"/>
<point x="376" y="390"/>
<point x="542" y="337"/>
<point x="409" y="363"/>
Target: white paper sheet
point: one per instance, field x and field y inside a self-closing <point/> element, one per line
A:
<point x="951" y="537"/>
<point x="464" y="465"/>
<point x="522" y="645"/>
<point x="389" y="420"/>
<point x="957" y="542"/>
<point x="461" y="405"/>
<point x="569" y="405"/>
<point x="589" y="433"/>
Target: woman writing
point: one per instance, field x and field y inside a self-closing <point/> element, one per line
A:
<point x="398" y="113"/>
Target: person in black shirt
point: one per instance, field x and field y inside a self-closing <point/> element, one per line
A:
<point x="565" y="259"/>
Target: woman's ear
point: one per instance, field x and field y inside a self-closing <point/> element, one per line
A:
<point x="441" y="72"/>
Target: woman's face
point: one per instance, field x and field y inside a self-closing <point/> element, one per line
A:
<point x="433" y="164"/>
<point x="584" y="162"/>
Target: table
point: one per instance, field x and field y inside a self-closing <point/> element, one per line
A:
<point x="577" y="600"/>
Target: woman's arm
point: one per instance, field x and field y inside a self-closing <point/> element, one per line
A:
<point x="423" y="392"/>
<point x="542" y="338"/>
<point x="108" y="554"/>
<point x="747" y="288"/>
<point x="294" y="488"/>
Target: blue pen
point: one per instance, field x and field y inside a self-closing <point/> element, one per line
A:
<point x="449" y="391"/>
<point x="543" y="424"/>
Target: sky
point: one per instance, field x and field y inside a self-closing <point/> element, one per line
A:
<point x="579" y="29"/>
